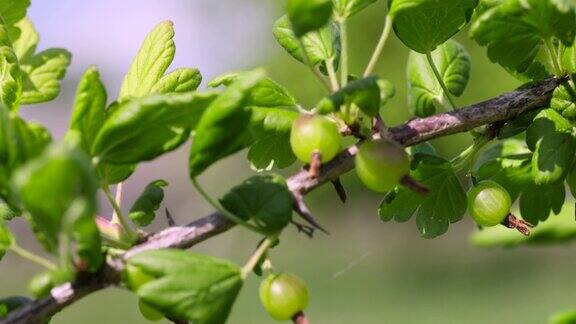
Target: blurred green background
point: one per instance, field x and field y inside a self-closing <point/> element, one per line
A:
<point x="366" y="271"/>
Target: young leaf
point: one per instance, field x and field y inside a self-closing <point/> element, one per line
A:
<point x="271" y="130"/>
<point x="347" y="8"/>
<point x="265" y="94"/>
<point x="424" y="91"/>
<point x="563" y="101"/>
<point x="25" y="45"/>
<point x="142" y="129"/>
<point x="28" y="140"/>
<point x="364" y="93"/>
<point x="115" y="173"/>
<point x="11" y="77"/>
<point x="49" y="185"/>
<point x="308" y="15"/>
<point x="445" y="204"/>
<point x="422" y="25"/>
<point x="265" y="199"/>
<point x="81" y="226"/>
<point x="514" y="31"/>
<point x="89" y="109"/>
<point x="151" y="62"/>
<point x="554" y="147"/>
<point x="6" y="239"/>
<point x="188" y="286"/>
<point x="180" y="80"/>
<point x="222" y="129"/>
<point x="41" y="75"/>
<point x="12" y="11"/>
<point x="320" y="46"/>
<point x="143" y="210"/>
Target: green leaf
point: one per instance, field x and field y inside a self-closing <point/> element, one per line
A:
<point x="180" y="80"/>
<point x="7" y="213"/>
<point x="41" y="75"/>
<point x="142" y="129"/>
<point x="509" y="165"/>
<point x="445" y="204"/>
<point x="554" y="147"/>
<point x="517" y="125"/>
<point x="143" y="210"/>
<point x="556" y="230"/>
<point x="89" y="109"/>
<point x="538" y="202"/>
<point x="514" y="31"/>
<point x="151" y="62"/>
<point x="115" y="173"/>
<point x="347" y="8"/>
<point x="563" y="101"/>
<point x="363" y="93"/>
<point x="265" y="199"/>
<point x="545" y="122"/>
<point x="308" y="15"/>
<point x="188" y="286"/>
<point x="50" y="185"/>
<point x="424" y="90"/>
<point x="265" y="94"/>
<point x="25" y="45"/>
<point x="11" y="77"/>
<point x="387" y="91"/>
<point x="11" y="303"/>
<point x="222" y="130"/>
<point x="271" y="131"/>
<point x="80" y="224"/>
<point x="6" y="239"/>
<point x="422" y="25"/>
<point x="13" y="11"/>
<point x="320" y="46"/>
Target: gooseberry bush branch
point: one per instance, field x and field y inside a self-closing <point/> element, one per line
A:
<point x="524" y="148"/>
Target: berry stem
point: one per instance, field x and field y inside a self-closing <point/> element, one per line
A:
<point x="260" y="251"/>
<point x="414" y="185"/>
<point x="300" y="318"/>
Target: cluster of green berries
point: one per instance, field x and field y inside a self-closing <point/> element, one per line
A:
<point x="380" y="164"/>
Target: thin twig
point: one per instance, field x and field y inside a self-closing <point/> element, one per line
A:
<point x="416" y="131"/>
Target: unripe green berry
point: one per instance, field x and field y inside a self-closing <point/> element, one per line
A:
<point x="489" y="203"/>
<point x="381" y="164"/>
<point x="314" y="134"/>
<point x="283" y="295"/>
